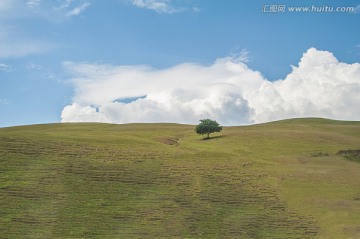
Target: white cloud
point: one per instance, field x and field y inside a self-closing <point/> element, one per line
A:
<point x="320" y="86"/>
<point x="227" y="91"/>
<point x="4" y="67"/>
<point x="79" y="9"/>
<point x="241" y="56"/>
<point x="160" y="6"/>
<point x="51" y="11"/>
<point x="33" y="3"/>
<point x="64" y="4"/>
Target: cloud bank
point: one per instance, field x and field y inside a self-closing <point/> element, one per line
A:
<point x="228" y="91"/>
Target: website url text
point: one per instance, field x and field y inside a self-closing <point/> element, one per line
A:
<point x="271" y="8"/>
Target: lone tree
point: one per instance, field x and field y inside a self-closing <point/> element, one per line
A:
<point x="207" y="126"/>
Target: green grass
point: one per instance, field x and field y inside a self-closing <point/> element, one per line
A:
<point x="277" y="180"/>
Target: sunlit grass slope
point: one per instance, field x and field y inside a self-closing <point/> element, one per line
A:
<point x="276" y="180"/>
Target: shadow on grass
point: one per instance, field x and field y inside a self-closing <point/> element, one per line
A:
<point x="214" y="137"/>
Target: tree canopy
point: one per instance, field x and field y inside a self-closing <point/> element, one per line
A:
<point x="207" y="126"/>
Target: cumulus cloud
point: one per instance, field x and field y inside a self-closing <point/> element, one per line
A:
<point x="320" y="86"/>
<point x="227" y="90"/>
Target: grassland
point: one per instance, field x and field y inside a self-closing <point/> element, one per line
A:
<point x="276" y="180"/>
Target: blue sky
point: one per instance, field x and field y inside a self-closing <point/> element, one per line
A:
<point x="45" y="47"/>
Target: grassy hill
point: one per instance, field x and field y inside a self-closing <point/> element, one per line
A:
<point x="277" y="180"/>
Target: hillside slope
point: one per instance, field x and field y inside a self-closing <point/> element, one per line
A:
<point x="275" y="180"/>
